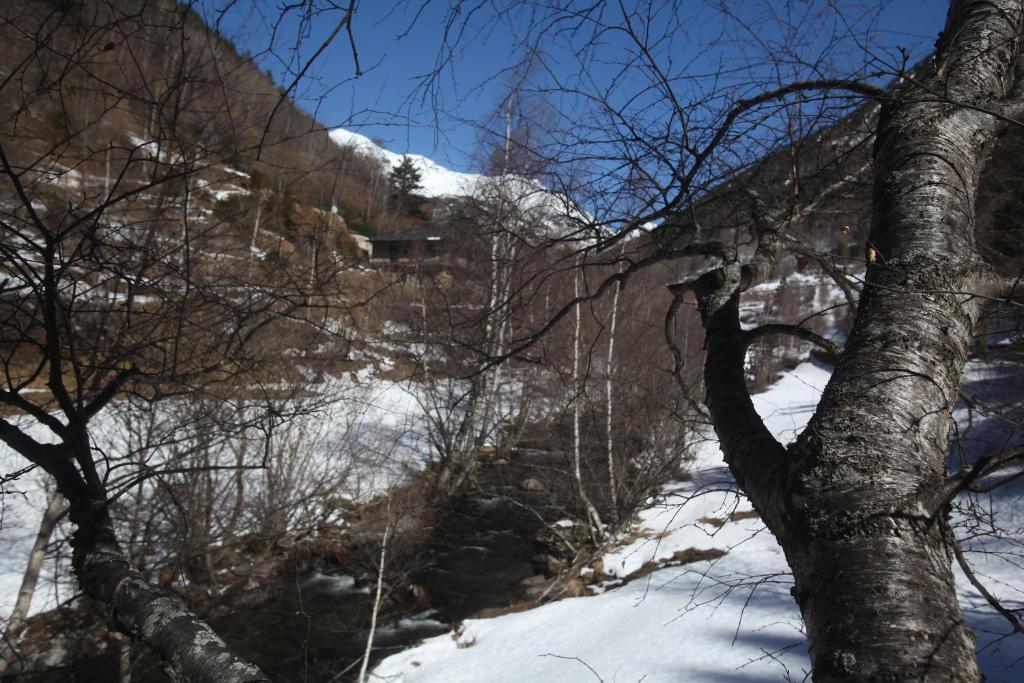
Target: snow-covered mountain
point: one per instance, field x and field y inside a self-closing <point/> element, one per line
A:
<point x="554" y="215"/>
<point x="435" y="179"/>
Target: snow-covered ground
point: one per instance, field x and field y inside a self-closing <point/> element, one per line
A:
<point x="365" y="439"/>
<point x="22" y="502"/>
<point x="726" y="619"/>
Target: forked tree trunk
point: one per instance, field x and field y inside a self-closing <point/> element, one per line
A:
<point x="854" y="502"/>
<point x="877" y="446"/>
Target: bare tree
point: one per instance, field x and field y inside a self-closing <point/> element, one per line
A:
<point x="117" y="291"/>
<point x="123" y="274"/>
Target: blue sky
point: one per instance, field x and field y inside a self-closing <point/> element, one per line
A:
<point x="398" y="43"/>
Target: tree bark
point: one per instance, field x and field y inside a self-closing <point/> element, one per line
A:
<point x="378" y="598"/>
<point x="878" y="440"/>
<point x="609" y="405"/>
<point x="578" y="388"/>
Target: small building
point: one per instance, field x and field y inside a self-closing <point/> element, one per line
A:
<point x="427" y="243"/>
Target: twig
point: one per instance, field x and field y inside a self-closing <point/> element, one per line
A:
<point x="1010" y="617"/>
<point x="575" y="659"/>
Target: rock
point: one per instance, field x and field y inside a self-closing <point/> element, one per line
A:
<point x="531" y="484"/>
<point x="418" y="595"/>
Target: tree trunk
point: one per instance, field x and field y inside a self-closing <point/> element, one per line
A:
<point x="190" y="649"/>
<point x="378" y="597"/>
<point x="609" y="405"/>
<point x="853" y="502"/>
<point x="878" y="441"/>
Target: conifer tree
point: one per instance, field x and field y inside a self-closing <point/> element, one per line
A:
<point x="405" y="177"/>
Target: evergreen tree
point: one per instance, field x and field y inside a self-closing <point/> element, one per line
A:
<point x="405" y="178"/>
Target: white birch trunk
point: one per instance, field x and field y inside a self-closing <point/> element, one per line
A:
<point x="612" y="483"/>
<point x="30" y="580"/>
<point x="255" y="234"/>
<point x="376" y="601"/>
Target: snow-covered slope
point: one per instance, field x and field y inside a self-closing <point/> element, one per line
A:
<point x="436" y="180"/>
<point x="728" y="619"/>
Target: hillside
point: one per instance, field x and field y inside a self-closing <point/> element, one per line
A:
<point x="139" y="92"/>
